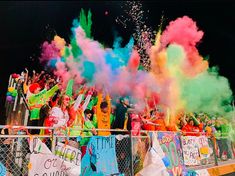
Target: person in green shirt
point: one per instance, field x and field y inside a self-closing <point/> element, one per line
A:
<point x="222" y="137"/>
<point x="95" y="123"/>
<point x="226" y="142"/>
<point x="88" y="130"/>
<point x="37" y="100"/>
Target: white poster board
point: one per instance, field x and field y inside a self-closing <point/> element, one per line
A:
<point x="43" y="162"/>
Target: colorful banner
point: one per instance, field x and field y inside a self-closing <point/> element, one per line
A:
<point x="43" y="162"/>
<point x="100" y="157"/>
<point x="195" y="149"/>
<point x="190" y="150"/>
<point x="3" y="170"/>
<point x="170" y="144"/>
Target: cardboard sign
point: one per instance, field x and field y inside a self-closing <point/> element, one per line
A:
<point x="69" y="154"/>
<point x="43" y="162"/>
<point x="195" y="149"/>
<point x="190" y="150"/>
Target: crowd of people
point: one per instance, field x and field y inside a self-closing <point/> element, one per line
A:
<point x="88" y="112"/>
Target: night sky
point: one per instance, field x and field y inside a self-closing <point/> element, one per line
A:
<point x="25" y="25"/>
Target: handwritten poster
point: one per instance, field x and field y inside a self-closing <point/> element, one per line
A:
<point x="100" y="157"/>
<point x="190" y="150"/>
<point x="170" y="144"/>
<point x="68" y="153"/>
<point x="48" y="164"/>
<point x="195" y="149"/>
<point x="203" y="146"/>
<point x="43" y="162"/>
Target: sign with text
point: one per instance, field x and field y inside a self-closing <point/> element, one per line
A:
<point x="190" y="150"/>
<point x="44" y="162"/>
<point x="203" y="146"/>
<point x="68" y="153"/>
<point x="195" y="149"/>
<point x="170" y="144"/>
<point x="100" y="157"/>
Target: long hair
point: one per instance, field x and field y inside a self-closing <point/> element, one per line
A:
<point x="43" y="113"/>
<point x="60" y="101"/>
<point x="88" y="111"/>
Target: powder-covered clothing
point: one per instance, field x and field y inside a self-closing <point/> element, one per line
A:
<point x="76" y="120"/>
<point x="87" y="134"/>
<point x="60" y="116"/>
<point x="191" y="130"/>
<point x="36" y="101"/>
<point x="103" y="119"/>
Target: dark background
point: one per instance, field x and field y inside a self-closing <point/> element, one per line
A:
<point x="25" y="25"/>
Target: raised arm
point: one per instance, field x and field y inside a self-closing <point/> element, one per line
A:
<point x="87" y="100"/>
<point x="108" y="100"/>
<point x="34" y="75"/>
<point x="26" y="75"/>
<point x="78" y="101"/>
<point x="25" y="81"/>
<point x="51" y="92"/>
<point x="100" y="95"/>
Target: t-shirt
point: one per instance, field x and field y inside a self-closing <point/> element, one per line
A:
<point x="135" y="124"/>
<point x="225" y="130"/>
<point x="60" y="116"/>
<point x="103" y="119"/>
<point x="36" y="101"/>
<point x="120" y="114"/>
<point x="160" y="125"/>
<point x="191" y="130"/>
<point x="87" y="125"/>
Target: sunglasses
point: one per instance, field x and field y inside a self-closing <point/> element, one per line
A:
<point x="67" y="99"/>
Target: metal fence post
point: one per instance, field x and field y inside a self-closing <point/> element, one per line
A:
<point x="26" y="117"/>
<point x="214" y="151"/>
<point x="53" y="142"/>
<point x="131" y="154"/>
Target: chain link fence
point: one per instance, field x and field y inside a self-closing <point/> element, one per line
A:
<point x="15" y="154"/>
<point x="130" y="152"/>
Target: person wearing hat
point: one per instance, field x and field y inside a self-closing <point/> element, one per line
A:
<point x="37" y="100"/>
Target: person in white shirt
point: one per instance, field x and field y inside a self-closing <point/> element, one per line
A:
<point x="61" y="111"/>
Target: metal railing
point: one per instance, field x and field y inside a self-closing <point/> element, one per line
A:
<point x="130" y="150"/>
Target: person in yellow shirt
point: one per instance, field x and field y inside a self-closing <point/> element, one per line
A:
<point x="102" y="118"/>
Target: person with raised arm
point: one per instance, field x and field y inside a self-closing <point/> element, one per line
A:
<point x="76" y="120"/>
<point x="103" y="117"/>
<point x="37" y="100"/>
